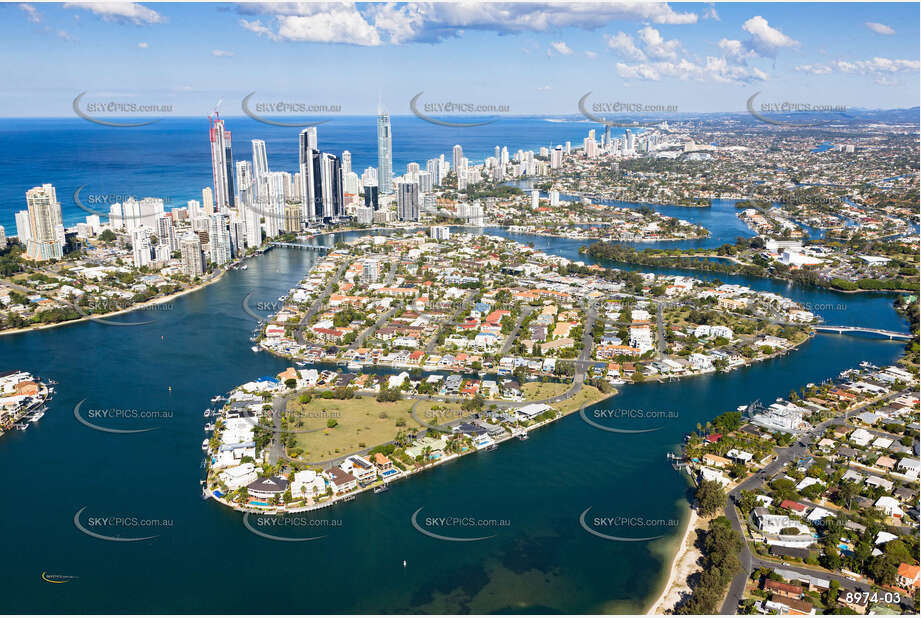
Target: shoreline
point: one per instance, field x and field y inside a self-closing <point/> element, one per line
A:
<point x="208" y="492"/>
<point x="683" y="565"/>
<point x="148" y="303"/>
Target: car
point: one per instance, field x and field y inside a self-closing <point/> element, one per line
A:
<point x="850" y="579"/>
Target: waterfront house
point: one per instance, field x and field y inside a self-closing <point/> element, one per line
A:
<point x="716" y="461"/>
<point x="360" y="468"/>
<point x="238" y="476"/>
<point x="307" y="483"/>
<point x="267" y="488"/>
<point x="383" y="463"/>
<point x="908" y="577"/>
<point x="340" y="480"/>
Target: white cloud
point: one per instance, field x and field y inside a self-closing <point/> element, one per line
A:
<point x="874" y="66"/>
<point x="623" y="43"/>
<point x="882" y="80"/>
<point x="64" y="34"/>
<point x="560" y="47"/>
<point x="765" y="40"/>
<point x="124" y="12"/>
<point x="143" y="45"/>
<point x="432" y="22"/>
<point x="318" y="23"/>
<point x="814" y="69"/>
<point x="221" y="53"/>
<point x="879" y="28"/>
<point x="656" y="46"/>
<point x="713" y="69"/>
<point x="711" y="13"/>
<point x="31" y="12"/>
<point x="544" y="88"/>
<point x="590" y="54"/>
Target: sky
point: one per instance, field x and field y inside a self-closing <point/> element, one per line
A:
<point x="530" y="58"/>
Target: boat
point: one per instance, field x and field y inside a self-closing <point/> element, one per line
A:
<point x="300" y="363"/>
<point x="523" y="436"/>
<point x="255" y="348"/>
<point x="37" y="415"/>
<point x="207" y="413"/>
<point x="209" y="427"/>
<point x="381" y="489"/>
<point x="204" y="444"/>
<point x="244" y="267"/>
<point x="353" y="366"/>
<point x="217" y="398"/>
<point x="21" y="426"/>
<point x="491" y="447"/>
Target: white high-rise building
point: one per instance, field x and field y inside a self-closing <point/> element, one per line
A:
<point x="94" y="223"/>
<point x="166" y="233"/>
<point x="556" y="158"/>
<point x="23" y="227"/>
<point x="3" y="242"/>
<point x="535" y="199"/>
<point x="457" y="156"/>
<point x="141" y="246"/>
<point x="221" y="165"/>
<point x="346" y="162"/>
<point x="207" y="201"/>
<point x="219" y="239"/>
<point x="46" y="230"/>
<point x="192" y="258"/>
<point x="384" y="152"/>
<point x="554" y="197"/>
<point x="370" y="271"/>
<point x="440" y="232"/>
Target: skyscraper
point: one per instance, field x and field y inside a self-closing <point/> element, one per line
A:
<point x="190" y="249"/>
<point x="408" y="201"/>
<point x="309" y="178"/>
<point x="346" y="162"/>
<point x="458" y="155"/>
<point x="221" y="165"/>
<point x="219" y="239"/>
<point x="46" y="229"/>
<point x="331" y="199"/>
<point x="384" y="152"/>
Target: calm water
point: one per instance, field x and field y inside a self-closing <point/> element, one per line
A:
<point x="206" y="561"/>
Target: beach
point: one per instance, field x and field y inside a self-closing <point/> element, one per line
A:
<point x="683" y="566"/>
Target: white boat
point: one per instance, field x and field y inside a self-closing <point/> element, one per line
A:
<point x="204" y="444"/>
<point x="37" y="416"/>
<point x="353" y="366"/>
<point x="209" y="427"/>
<point x="381" y="489"/>
<point x="21" y="426"/>
<point x="255" y="348"/>
<point x="217" y="398"/>
<point x="207" y="413"/>
<point x="244" y="267"/>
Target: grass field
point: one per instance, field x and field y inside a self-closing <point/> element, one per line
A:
<point x="360" y="423"/>
<point x="541" y="390"/>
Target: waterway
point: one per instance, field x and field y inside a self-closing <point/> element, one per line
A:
<point x="206" y="561"/>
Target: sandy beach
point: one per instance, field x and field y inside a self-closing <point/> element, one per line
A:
<point x="683" y="566"/>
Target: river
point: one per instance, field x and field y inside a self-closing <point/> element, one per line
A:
<point x="206" y="561"/>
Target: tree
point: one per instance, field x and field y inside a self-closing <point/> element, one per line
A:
<point x="710" y="498"/>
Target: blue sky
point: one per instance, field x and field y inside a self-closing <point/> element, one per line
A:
<point x="534" y="58"/>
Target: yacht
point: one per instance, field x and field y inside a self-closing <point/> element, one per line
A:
<point x="204" y="444"/>
<point x="217" y="398"/>
<point x="21" y="426"/>
<point x="381" y="489"/>
<point x="209" y="427"/>
<point x="37" y="415"/>
<point x="255" y="348"/>
<point x="353" y="366"/>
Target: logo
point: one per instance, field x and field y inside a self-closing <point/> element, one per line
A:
<point x="585" y="418"/>
<point x="455" y="522"/>
<point x="116" y="413"/>
<point x="283" y="107"/>
<point x="286" y="522"/>
<point x="113" y="107"/>
<point x="620" y="522"/>
<point x="116" y="522"/>
<point x="449" y="108"/>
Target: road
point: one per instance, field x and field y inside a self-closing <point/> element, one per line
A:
<point x="660" y="331"/>
<point x="277" y="449"/>
<point x="512" y="336"/>
<point x="430" y="346"/>
<point x="319" y="302"/>
<point x="784" y="456"/>
<point x="360" y="340"/>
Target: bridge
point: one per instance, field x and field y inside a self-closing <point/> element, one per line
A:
<point x="294" y="245"/>
<point x="891" y="334"/>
